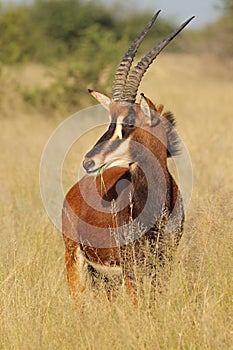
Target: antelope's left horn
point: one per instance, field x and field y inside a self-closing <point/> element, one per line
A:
<point x="126" y="62"/>
<point x="133" y="82"/>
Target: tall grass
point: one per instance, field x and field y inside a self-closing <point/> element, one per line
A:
<point x="194" y="309"/>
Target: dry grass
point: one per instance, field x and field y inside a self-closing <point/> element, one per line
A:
<point x="194" y="310"/>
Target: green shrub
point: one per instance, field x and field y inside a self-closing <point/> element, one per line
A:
<point x="92" y="66"/>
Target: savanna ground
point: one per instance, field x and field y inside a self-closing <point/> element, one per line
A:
<point x="194" y="309"/>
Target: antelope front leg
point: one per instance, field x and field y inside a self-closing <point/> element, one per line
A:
<point x="74" y="267"/>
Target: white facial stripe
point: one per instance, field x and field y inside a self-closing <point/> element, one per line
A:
<point x="118" y="130"/>
<point x="120" y="119"/>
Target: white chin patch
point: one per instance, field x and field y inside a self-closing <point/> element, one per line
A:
<point x="119" y="157"/>
<point x="118" y="162"/>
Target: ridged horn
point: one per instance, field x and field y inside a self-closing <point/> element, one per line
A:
<point x="126" y="62"/>
<point x="133" y="82"/>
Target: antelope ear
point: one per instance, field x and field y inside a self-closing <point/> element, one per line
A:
<point x="103" y="99"/>
<point x="149" y="110"/>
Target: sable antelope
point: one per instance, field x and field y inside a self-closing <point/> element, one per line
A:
<point x="128" y="199"/>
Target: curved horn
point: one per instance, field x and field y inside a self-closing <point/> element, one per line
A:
<point x="133" y="82"/>
<point x="126" y="62"/>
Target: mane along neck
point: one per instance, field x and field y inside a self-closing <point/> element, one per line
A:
<point x="151" y="186"/>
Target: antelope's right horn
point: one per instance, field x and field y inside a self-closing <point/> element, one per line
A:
<point x="133" y="82"/>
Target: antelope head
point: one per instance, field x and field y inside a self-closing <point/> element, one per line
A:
<point x="129" y="120"/>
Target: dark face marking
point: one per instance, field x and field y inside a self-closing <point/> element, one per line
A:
<point x="113" y="145"/>
<point x="102" y="141"/>
<point x="130" y="119"/>
<point x="129" y="123"/>
<point x="118" y="131"/>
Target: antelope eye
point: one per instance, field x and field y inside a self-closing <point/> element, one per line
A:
<point x="129" y="123"/>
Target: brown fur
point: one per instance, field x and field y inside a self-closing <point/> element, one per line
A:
<point x="91" y="200"/>
<point x="131" y="217"/>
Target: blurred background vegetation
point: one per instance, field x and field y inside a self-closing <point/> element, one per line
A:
<point x="51" y="52"/>
<point x="82" y="42"/>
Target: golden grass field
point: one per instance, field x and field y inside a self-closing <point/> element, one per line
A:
<point x="194" y="309"/>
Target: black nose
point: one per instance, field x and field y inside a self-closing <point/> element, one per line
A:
<point x="88" y="164"/>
